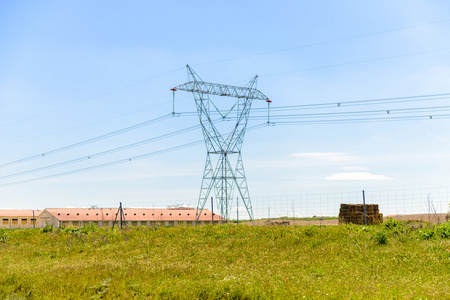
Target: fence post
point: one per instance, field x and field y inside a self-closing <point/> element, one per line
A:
<point x="364" y="204"/>
<point x="237" y="210"/>
<point x="212" y="212"/>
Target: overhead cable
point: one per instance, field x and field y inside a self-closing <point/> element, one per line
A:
<point x="362" y="120"/>
<point x="117" y="161"/>
<point x="324" y="42"/>
<point x="92" y="156"/>
<point x="90" y="98"/>
<point x="366" y="102"/>
<point x="85" y="142"/>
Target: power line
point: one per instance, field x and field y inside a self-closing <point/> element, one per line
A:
<point x="85" y="142"/>
<point x="349" y="113"/>
<point x="363" y="120"/>
<point x="90" y="98"/>
<point x="105" y="164"/>
<point x="357" y="62"/>
<point x="248" y="56"/>
<point x="103" y="153"/>
<point x="324" y="42"/>
<point x="84" y="125"/>
<point x="430" y="97"/>
<point x="117" y="161"/>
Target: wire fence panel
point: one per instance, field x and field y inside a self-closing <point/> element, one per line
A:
<point x="390" y="203"/>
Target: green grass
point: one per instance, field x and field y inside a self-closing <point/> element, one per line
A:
<point x="391" y="261"/>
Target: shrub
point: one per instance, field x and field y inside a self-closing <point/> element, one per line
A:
<point x="393" y="224"/>
<point x="443" y="230"/>
<point x="310" y="230"/>
<point x="381" y="238"/>
<point x="47" y="228"/>
<point x="88" y="228"/>
<point x="427" y="233"/>
<point x="70" y="229"/>
<point x="2" y="236"/>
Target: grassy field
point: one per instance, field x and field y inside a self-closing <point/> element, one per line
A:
<point x="394" y="260"/>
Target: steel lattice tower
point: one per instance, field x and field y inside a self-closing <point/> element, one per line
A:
<point x="223" y="149"/>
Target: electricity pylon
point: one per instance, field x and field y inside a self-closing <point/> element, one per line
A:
<point x="221" y="149"/>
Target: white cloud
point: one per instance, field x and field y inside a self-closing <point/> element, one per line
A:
<point x="328" y="156"/>
<point x="357" y="176"/>
<point x="354" y="168"/>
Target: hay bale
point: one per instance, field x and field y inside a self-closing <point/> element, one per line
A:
<point x="354" y="213"/>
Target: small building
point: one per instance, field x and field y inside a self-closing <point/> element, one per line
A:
<point x="104" y="217"/>
<point x="19" y="218"/>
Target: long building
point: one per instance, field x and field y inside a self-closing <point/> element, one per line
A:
<point x="62" y="217"/>
<point x="19" y="218"/>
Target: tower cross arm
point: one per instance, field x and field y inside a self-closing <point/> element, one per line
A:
<point x="221" y="90"/>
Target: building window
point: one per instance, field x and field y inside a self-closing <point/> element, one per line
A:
<point x="134" y="213"/>
<point x="134" y="223"/>
<point x="78" y="214"/>
<point x="5" y="221"/>
<point x="143" y="214"/>
<point x="15" y="222"/>
<point x="59" y="214"/>
<point x="179" y="214"/>
<point x="24" y="221"/>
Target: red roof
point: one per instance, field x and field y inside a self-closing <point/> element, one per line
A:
<point x="19" y="213"/>
<point x="131" y="214"/>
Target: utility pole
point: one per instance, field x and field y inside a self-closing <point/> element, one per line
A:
<point x="122" y="216"/>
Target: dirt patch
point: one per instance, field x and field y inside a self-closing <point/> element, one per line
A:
<point x="430" y="218"/>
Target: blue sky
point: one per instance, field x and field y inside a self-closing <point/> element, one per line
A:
<point x="75" y="70"/>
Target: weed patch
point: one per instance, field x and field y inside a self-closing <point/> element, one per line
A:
<point x="227" y="262"/>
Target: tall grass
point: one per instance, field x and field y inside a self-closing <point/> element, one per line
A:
<point x="393" y="260"/>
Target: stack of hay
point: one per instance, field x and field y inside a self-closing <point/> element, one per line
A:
<point x="354" y="213"/>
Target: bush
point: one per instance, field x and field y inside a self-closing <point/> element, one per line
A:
<point x="393" y="224"/>
<point x="443" y="230"/>
<point x="47" y="228"/>
<point x="427" y="233"/>
<point x="88" y="228"/>
<point x="381" y="238"/>
<point x="70" y="229"/>
<point x="2" y="236"/>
